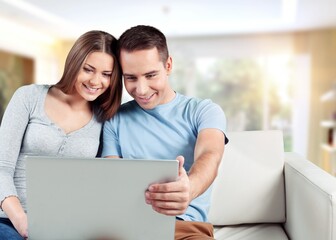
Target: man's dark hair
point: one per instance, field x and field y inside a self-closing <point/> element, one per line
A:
<point x="143" y="37"/>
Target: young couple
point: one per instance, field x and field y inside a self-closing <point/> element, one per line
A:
<point x="60" y="119"/>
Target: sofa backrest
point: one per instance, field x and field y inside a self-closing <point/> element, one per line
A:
<point x="249" y="187"/>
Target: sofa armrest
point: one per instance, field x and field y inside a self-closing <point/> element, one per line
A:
<point x="310" y="200"/>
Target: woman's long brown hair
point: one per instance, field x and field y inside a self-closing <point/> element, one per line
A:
<point x="107" y="104"/>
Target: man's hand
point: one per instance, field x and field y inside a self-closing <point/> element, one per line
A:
<point x="171" y="198"/>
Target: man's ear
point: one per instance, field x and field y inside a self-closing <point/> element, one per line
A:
<point x="169" y="65"/>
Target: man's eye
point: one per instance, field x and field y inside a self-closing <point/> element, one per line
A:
<point x="129" y="78"/>
<point x="151" y="75"/>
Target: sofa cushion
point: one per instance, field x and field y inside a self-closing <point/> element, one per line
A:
<point x="251" y="232"/>
<point x="310" y="200"/>
<point x="249" y="187"/>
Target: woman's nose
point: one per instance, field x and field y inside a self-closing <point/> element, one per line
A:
<point x="95" y="79"/>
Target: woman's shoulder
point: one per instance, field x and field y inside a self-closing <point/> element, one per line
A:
<point x="32" y="90"/>
<point x="34" y="87"/>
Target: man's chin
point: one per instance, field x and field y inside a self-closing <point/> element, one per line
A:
<point x="146" y="106"/>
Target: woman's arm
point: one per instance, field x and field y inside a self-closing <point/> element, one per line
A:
<point x="12" y="130"/>
<point x="13" y="209"/>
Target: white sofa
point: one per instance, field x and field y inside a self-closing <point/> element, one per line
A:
<point x="262" y="193"/>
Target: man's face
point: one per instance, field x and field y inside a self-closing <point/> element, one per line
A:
<point x="146" y="77"/>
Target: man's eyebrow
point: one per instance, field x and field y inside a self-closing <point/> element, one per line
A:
<point x="151" y="72"/>
<point x="145" y="74"/>
<point x="128" y="75"/>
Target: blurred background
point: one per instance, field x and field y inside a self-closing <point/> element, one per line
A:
<point x="270" y="64"/>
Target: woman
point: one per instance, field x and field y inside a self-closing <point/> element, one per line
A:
<point x="64" y="119"/>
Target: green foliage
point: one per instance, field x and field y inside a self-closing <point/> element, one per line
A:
<point x="236" y="85"/>
<point x="11" y="78"/>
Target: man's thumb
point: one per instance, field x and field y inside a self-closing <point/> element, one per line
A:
<point x="181" y="163"/>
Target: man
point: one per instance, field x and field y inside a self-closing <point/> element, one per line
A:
<point x="162" y="124"/>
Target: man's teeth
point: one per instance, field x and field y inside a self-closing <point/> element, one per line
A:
<point x="146" y="98"/>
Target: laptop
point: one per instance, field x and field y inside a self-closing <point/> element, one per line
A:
<point x="96" y="198"/>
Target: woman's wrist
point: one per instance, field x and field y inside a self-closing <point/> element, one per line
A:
<point x="8" y="197"/>
<point x="12" y="207"/>
<point x="20" y="223"/>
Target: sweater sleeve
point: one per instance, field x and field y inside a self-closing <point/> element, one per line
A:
<point x="12" y="129"/>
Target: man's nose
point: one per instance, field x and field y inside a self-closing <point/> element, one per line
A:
<point x="141" y="87"/>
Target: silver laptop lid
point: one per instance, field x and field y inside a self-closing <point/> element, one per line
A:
<point x="76" y="198"/>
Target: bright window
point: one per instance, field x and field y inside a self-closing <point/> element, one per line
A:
<point x="255" y="93"/>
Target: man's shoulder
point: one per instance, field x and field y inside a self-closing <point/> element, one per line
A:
<point x="126" y="109"/>
<point x="125" y="114"/>
<point x="194" y="102"/>
<point x="127" y="106"/>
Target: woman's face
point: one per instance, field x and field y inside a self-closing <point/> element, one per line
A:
<point x="95" y="75"/>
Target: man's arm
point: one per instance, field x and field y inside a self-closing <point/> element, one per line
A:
<point x="173" y="198"/>
<point x="209" y="151"/>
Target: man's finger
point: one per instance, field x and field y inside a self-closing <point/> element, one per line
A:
<point x="181" y="163"/>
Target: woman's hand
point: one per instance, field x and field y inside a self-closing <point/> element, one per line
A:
<point x="21" y="225"/>
<point x="13" y="209"/>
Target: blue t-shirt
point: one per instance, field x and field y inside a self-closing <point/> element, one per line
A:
<point x="165" y="132"/>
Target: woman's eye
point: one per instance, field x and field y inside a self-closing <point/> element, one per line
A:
<point x="107" y="75"/>
<point x="87" y="69"/>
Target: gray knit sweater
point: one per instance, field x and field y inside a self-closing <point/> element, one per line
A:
<point x="26" y="130"/>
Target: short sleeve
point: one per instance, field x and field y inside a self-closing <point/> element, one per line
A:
<point x="110" y="138"/>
